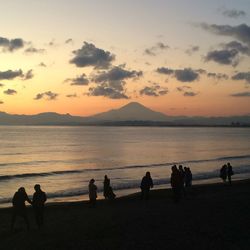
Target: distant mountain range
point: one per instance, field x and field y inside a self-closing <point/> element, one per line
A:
<point x="132" y="114"/>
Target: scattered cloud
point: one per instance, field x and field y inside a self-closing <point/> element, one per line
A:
<point x="10" y="45"/>
<point x="182" y="75"/>
<point x="49" y="95"/>
<point x="111" y="83"/>
<point x="81" y="80"/>
<point x="69" y="41"/>
<point x="28" y="75"/>
<point x="187" y="91"/>
<point x="10" y="74"/>
<point x="241" y="94"/>
<point x="10" y="92"/>
<point x="190" y="51"/>
<point x="233" y="13"/>
<point x="1" y="85"/>
<point x="217" y="76"/>
<point x="32" y="50"/>
<point x="235" y="45"/>
<point x="240" y="32"/>
<point x="155" y="90"/>
<point x="242" y="76"/>
<point x="152" y="51"/>
<point x="90" y="55"/>
<point x="72" y="95"/>
<point x="42" y="64"/>
<point x="226" y="57"/>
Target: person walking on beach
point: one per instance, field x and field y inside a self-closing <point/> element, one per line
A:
<point x="229" y="172"/>
<point x="176" y="183"/>
<point x="146" y="184"/>
<point x="107" y="189"/>
<point x="19" y="207"/>
<point x="92" y="192"/>
<point x="38" y="201"/>
<point x="223" y="173"/>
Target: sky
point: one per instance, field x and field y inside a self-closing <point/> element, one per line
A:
<point x="83" y="57"/>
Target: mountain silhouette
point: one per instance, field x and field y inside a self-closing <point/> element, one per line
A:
<point x="132" y="113"/>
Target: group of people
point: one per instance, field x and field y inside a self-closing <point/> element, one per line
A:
<point x="181" y="178"/>
<point x="226" y="173"/>
<point x="19" y="207"/>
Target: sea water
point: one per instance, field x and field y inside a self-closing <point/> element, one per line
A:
<point x="63" y="159"/>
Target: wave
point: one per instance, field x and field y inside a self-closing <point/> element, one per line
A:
<point x="65" y="172"/>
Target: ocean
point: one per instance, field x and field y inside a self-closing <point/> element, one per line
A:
<point x="64" y="159"/>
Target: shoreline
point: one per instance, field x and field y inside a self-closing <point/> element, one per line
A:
<point x="210" y="216"/>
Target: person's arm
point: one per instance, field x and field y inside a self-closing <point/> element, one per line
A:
<point x="28" y="199"/>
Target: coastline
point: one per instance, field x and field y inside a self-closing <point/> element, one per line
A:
<point x="211" y="216"/>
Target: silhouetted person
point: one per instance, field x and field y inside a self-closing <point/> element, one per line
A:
<point x="146" y="184"/>
<point x="188" y="177"/>
<point x="38" y="201"/>
<point x="107" y="189"/>
<point x="92" y="192"/>
<point x="223" y="172"/>
<point x="229" y="172"/>
<point x="182" y="177"/>
<point x="19" y="207"/>
<point x="176" y="183"/>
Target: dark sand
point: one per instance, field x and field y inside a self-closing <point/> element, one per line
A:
<point x="214" y="216"/>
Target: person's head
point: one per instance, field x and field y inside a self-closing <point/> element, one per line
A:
<point x="180" y="167"/>
<point x="147" y="174"/>
<point x="105" y="177"/>
<point x="174" y="168"/>
<point x="37" y="187"/>
<point x="21" y="190"/>
<point x="185" y="168"/>
<point x="92" y="181"/>
<point x="228" y="164"/>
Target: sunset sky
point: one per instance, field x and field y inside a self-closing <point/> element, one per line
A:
<point x="83" y="57"/>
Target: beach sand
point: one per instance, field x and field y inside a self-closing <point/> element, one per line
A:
<point x="213" y="216"/>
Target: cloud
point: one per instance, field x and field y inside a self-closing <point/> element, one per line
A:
<point x="1" y="102"/>
<point x="106" y="91"/>
<point x="225" y="57"/>
<point x="71" y="95"/>
<point x="235" y="45"/>
<point x="233" y="13"/>
<point x="32" y="50"/>
<point x="90" y="55"/>
<point x="10" y="74"/>
<point x="42" y="64"/>
<point x="187" y="91"/>
<point x="240" y="32"/>
<point x="46" y="95"/>
<point x="217" y="76"/>
<point x="241" y="94"/>
<point x="10" y="45"/>
<point x="81" y="80"/>
<point x="192" y="50"/>
<point x="182" y="75"/>
<point x="1" y="85"/>
<point x="155" y="90"/>
<point x="10" y="92"/>
<point x="152" y="51"/>
<point x="242" y="76"/>
<point x="70" y="40"/>
<point x="111" y="83"/>
<point x="28" y="75"/>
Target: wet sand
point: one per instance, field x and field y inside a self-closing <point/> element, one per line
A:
<point x="213" y="216"/>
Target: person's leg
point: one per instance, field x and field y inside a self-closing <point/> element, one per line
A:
<point x="13" y="220"/>
<point x="26" y="219"/>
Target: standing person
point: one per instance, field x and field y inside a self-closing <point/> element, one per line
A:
<point x="38" y="201"/>
<point x="229" y="172"/>
<point x="223" y="173"/>
<point x="182" y="177"/>
<point x="146" y="184"/>
<point x="176" y="183"/>
<point x="107" y="189"/>
<point x="188" y="177"/>
<point x="19" y="207"/>
<point x="92" y="192"/>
